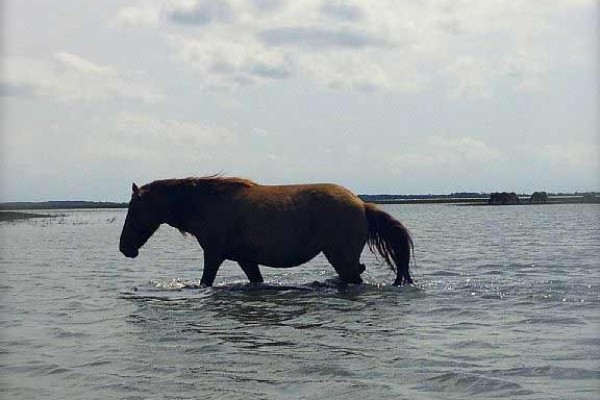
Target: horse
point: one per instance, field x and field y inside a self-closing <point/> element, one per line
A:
<point x="279" y="226"/>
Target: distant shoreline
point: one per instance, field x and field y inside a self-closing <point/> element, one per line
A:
<point x="484" y="201"/>
<point x="59" y="205"/>
<point x="7" y="216"/>
<point x="376" y="199"/>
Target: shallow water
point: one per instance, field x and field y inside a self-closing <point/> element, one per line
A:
<point x="505" y="306"/>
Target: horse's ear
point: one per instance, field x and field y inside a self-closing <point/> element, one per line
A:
<point x="135" y="189"/>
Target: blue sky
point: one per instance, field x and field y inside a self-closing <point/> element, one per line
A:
<point x="380" y="96"/>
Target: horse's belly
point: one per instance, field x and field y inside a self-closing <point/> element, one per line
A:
<point x="286" y="259"/>
<point x="277" y="254"/>
<point x="283" y="242"/>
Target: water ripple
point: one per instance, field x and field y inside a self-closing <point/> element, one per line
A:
<point x="505" y="305"/>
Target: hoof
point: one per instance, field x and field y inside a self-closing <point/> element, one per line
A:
<point x="403" y="281"/>
<point x="355" y="281"/>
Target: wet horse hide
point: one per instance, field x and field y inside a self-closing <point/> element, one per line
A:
<point x="279" y="226"/>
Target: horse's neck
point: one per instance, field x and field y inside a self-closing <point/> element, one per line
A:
<point x="184" y="210"/>
<point x="190" y="209"/>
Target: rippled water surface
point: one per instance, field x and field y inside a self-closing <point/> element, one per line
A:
<point x="506" y="305"/>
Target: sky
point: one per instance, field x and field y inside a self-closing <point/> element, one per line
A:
<point x="381" y="96"/>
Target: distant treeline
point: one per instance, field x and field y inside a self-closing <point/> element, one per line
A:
<point x="487" y="198"/>
<point x="388" y="197"/>
<point x="460" y="195"/>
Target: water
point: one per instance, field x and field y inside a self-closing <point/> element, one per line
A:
<point x="505" y="306"/>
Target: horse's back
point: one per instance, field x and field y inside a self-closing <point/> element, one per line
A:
<point x="319" y="190"/>
<point x="308" y="198"/>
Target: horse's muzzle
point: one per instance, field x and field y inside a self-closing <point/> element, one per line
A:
<point x="130" y="253"/>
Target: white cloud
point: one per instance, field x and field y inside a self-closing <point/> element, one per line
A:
<point x="149" y="146"/>
<point x="320" y="38"/>
<point x="81" y="65"/>
<point x="439" y="152"/>
<point x="469" y="77"/>
<point x="69" y="77"/>
<point x="145" y="15"/>
<point x="183" y="12"/>
<point x="569" y="155"/>
<point x="201" y="12"/>
<point x="343" y="10"/>
<point x="223" y="62"/>
<point x="146" y="128"/>
<point x="470" y="47"/>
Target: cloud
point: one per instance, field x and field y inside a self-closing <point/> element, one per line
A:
<point x="317" y="38"/>
<point x="569" y="155"/>
<point x="146" y="15"/>
<point x="468" y="77"/>
<point x="362" y="72"/>
<point x="223" y="63"/>
<point x="175" y="132"/>
<point x="17" y="89"/>
<point x="201" y="12"/>
<point x="471" y="48"/>
<point x="439" y="152"/>
<point x="344" y="11"/>
<point x="76" y="63"/>
<point x="143" y="141"/>
<point x="269" y="5"/>
<point x="69" y="77"/>
<point x="178" y="12"/>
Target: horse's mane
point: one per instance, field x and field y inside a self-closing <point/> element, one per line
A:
<point x="178" y="199"/>
<point x="212" y="184"/>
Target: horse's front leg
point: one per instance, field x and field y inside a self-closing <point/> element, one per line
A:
<point x="212" y="262"/>
<point x="252" y="272"/>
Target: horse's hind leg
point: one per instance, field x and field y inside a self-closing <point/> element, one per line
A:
<point x="252" y="272"/>
<point x="361" y="268"/>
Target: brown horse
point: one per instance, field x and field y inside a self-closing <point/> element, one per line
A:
<point x="275" y="226"/>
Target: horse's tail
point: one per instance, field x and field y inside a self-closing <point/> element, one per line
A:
<point x="391" y="239"/>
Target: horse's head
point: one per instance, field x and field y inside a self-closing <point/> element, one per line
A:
<point x="141" y="222"/>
